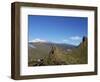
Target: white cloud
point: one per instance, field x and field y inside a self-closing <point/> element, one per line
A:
<point x="38" y="40"/>
<point x="65" y="40"/>
<point x="75" y="38"/>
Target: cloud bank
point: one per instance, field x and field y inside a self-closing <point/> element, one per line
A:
<point x="38" y="40"/>
<point x="75" y="38"/>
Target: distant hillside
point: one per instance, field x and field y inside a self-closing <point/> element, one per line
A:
<point x="47" y="53"/>
<point x="79" y="55"/>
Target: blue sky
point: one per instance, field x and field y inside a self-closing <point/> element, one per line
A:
<point x="59" y="29"/>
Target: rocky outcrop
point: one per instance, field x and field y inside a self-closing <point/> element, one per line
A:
<point x="55" y="56"/>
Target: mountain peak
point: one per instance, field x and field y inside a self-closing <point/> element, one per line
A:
<point x="38" y="40"/>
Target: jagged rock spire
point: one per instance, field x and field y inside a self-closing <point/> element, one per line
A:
<point x="84" y="38"/>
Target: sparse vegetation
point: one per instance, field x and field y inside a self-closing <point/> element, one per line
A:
<point x="57" y="54"/>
